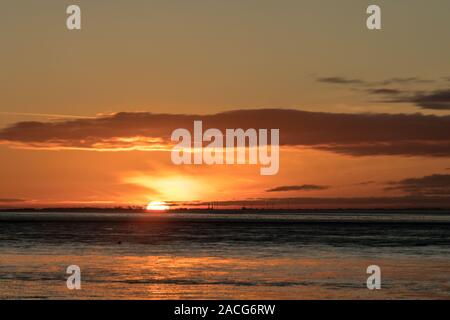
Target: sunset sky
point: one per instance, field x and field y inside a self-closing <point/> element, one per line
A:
<point x="86" y="116"/>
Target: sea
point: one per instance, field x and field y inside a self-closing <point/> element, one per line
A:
<point x="225" y="255"/>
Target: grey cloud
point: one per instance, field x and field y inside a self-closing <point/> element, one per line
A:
<point x="340" y="80"/>
<point x="438" y="99"/>
<point x="304" y="187"/>
<point x="410" y="80"/>
<point x="434" y="185"/>
<point x="384" y="91"/>
<point x="353" y="134"/>
<point x="386" y="82"/>
<point x="435" y="100"/>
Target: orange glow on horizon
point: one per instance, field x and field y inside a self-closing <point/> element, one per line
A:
<point x="157" y="206"/>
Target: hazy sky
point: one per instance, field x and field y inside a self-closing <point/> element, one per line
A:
<point x="206" y="57"/>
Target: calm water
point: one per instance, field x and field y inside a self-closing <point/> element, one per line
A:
<point x="198" y="256"/>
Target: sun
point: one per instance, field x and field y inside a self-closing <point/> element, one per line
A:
<point x="157" y="206"/>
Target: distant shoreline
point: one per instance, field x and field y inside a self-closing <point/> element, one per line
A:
<point x="230" y="211"/>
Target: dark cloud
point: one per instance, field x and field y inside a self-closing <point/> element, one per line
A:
<point x="304" y="187"/>
<point x="353" y="134"/>
<point x="433" y="185"/>
<point x="419" y="148"/>
<point x="386" y="82"/>
<point x="437" y="100"/>
<point x="410" y="80"/>
<point x="384" y="91"/>
<point x="433" y="100"/>
<point x="341" y="80"/>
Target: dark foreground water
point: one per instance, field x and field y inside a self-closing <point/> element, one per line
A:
<point x="226" y="256"/>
